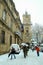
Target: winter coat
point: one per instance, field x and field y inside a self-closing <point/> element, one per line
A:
<point x="37" y="48"/>
<point x="12" y="51"/>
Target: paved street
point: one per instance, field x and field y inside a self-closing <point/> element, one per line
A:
<point x="31" y="59"/>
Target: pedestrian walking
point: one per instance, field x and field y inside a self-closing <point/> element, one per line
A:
<point x="12" y="53"/>
<point x="25" y="51"/>
<point x="37" y="50"/>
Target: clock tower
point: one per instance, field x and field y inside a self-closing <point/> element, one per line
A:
<point x="27" y="28"/>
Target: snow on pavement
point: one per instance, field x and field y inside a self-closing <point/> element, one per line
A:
<point x="31" y="59"/>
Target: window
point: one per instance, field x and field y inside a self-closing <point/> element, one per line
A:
<point x="4" y="15"/>
<point x="27" y="31"/>
<point x="10" y="39"/>
<point x="3" y="37"/>
<point x="22" y="29"/>
<point x="0" y="37"/>
<point x="10" y="24"/>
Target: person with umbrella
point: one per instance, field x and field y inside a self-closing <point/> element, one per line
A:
<point x="25" y="49"/>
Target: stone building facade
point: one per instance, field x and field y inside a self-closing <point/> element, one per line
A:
<point x="27" y="28"/>
<point x="10" y="25"/>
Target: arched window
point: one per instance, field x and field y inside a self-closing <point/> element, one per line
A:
<point x="4" y="15"/>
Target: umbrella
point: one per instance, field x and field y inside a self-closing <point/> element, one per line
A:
<point x="24" y="44"/>
<point x="16" y="47"/>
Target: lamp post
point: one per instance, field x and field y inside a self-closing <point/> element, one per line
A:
<point x="37" y="36"/>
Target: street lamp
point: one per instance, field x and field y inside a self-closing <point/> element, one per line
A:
<point x="37" y="36"/>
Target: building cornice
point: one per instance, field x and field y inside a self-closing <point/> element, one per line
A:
<point x="14" y="7"/>
<point x="27" y="24"/>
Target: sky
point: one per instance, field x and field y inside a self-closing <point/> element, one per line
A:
<point x="33" y="7"/>
<point x="31" y="59"/>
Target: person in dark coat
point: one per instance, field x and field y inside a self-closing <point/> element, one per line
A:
<point x="12" y="52"/>
<point x="37" y="50"/>
<point x="25" y="51"/>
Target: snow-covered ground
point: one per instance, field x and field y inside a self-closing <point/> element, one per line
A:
<point x="31" y="59"/>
